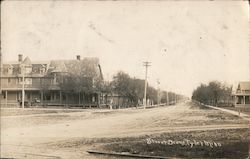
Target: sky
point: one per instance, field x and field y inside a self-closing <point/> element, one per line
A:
<point x="187" y="42"/>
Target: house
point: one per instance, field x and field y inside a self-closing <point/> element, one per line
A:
<point x="42" y="81"/>
<point x="242" y="94"/>
<point x="118" y="101"/>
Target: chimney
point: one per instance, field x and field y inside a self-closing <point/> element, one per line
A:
<point x="78" y="57"/>
<point x="20" y="57"/>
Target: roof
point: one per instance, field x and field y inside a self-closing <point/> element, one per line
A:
<point x="57" y="66"/>
<point x="244" y="85"/>
<point x="89" y="67"/>
<point x="26" y="61"/>
<point x="9" y="65"/>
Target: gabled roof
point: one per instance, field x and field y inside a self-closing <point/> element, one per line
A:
<point x="26" y="61"/>
<point x="244" y="85"/>
<point x="89" y="67"/>
<point x="9" y="65"/>
<point x="57" y="66"/>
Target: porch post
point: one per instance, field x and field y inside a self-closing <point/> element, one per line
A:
<point x="60" y="97"/>
<point x="83" y="98"/>
<point x="98" y="99"/>
<point x="244" y="100"/>
<point x="41" y="93"/>
<point x="79" y="98"/>
<point x="51" y="95"/>
<point x="6" y="98"/>
<point x="235" y="100"/>
<point x="67" y="99"/>
<point x="31" y="96"/>
<point x="55" y="100"/>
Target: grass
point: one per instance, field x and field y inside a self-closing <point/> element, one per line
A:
<point x="29" y="111"/>
<point x="234" y="144"/>
<point x="245" y="110"/>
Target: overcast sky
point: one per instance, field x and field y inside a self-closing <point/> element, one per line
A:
<point x="188" y="42"/>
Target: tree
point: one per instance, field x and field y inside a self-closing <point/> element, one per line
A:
<point x="213" y="93"/>
<point x="82" y="78"/>
<point x="152" y="94"/>
<point x="131" y="88"/>
<point x="121" y="83"/>
<point x="136" y="90"/>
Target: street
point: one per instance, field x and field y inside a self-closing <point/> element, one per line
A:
<point x="55" y="135"/>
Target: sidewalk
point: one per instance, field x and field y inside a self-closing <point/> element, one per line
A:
<point x="242" y="115"/>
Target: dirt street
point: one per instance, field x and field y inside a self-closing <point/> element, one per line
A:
<point x="35" y="136"/>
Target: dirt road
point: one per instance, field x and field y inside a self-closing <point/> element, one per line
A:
<point x="29" y="136"/>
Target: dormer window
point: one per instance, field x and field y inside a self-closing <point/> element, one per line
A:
<point x="42" y="69"/>
<point x="54" y="78"/>
<point x="27" y="65"/>
<point x="10" y="70"/>
<point x="28" y="69"/>
<point x="238" y="87"/>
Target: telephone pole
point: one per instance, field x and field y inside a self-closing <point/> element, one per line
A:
<point x="158" y="92"/>
<point x="167" y="99"/>
<point x="146" y="64"/>
<point x="1" y="67"/>
<point x="175" y="98"/>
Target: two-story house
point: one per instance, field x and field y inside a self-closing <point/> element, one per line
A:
<point x="242" y="94"/>
<point x="42" y="81"/>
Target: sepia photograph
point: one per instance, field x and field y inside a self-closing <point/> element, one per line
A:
<point x="113" y="79"/>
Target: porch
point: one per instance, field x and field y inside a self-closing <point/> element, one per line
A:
<point x="242" y="100"/>
<point x="50" y="98"/>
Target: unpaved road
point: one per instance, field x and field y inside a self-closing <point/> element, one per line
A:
<point x="30" y="136"/>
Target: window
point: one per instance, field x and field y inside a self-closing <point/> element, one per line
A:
<point x="20" y="80"/>
<point x="247" y="91"/>
<point x="28" y="96"/>
<point x="42" y="70"/>
<point x="28" y="70"/>
<point x="10" y="70"/>
<point x="9" y="80"/>
<point x="28" y="80"/>
<point x="47" y="96"/>
<point x="63" y="97"/>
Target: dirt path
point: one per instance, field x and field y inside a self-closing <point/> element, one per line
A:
<point x="240" y="114"/>
<point x="116" y="123"/>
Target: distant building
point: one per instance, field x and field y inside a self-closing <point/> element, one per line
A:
<point x="42" y="81"/>
<point x="242" y="94"/>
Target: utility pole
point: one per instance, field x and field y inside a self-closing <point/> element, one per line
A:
<point x="175" y="100"/>
<point x="146" y="64"/>
<point x="158" y="92"/>
<point x="1" y="65"/>
<point x="167" y="99"/>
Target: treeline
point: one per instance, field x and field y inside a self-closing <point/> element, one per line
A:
<point x="214" y="93"/>
<point x="171" y="97"/>
<point x="126" y="91"/>
<point x="133" y="88"/>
